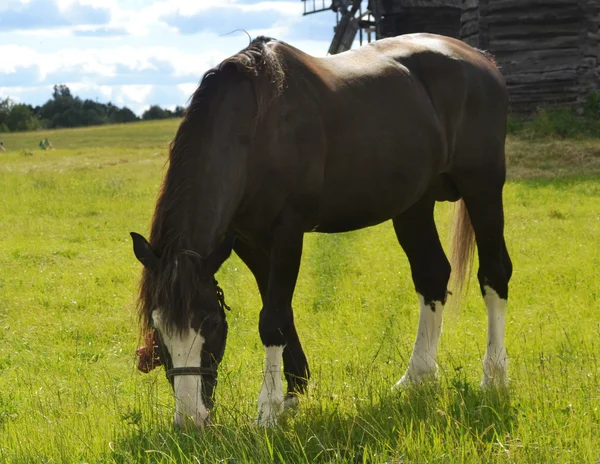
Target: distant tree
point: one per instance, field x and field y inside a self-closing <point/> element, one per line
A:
<point x="123" y="115"/>
<point x="5" y="106"/>
<point x="179" y="111"/>
<point x="21" y="118"/>
<point x="61" y="91"/>
<point x="16" y="117"/>
<point x="66" y="110"/>
<point x="156" y="112"/>
<point x="63" y="110"/>
<point x="93" y="113"/>
<point x="67" y="115"/>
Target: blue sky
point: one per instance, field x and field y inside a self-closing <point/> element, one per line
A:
<point x="137" y="52"/>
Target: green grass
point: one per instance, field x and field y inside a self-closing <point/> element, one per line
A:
<point x="559" y="122"/>
<point x="70" y="392"/>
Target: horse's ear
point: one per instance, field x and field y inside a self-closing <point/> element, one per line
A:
<point x="144" y="252"/>
<point x="222" y="252"/>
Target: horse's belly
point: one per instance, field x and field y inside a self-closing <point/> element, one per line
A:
<point x="346" y="224"/>
<point x="351" y="208"/>
<point x="370" y="181"/>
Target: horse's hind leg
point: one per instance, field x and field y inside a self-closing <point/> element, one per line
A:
<point x="430" y="268"/>
<point x="484" y="204"/>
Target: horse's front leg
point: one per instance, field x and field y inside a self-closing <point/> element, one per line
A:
<point x="295" y="365"/>
<point x="271" y="401"/>
<point x="277" y="329"/>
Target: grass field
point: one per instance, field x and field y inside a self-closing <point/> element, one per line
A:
<point x="70" y="392"/>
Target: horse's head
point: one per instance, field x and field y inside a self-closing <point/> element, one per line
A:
<point x="182" y="303"/>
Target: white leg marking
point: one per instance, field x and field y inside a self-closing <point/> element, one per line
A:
<point x="495" y="365"/>
<point x="185" y="350"/>
<point x="270" y="401"/>
<point x="422" y="363"/>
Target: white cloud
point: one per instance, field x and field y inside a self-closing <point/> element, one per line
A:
<point x="109" y="62"/>
<point x="187" y="88"/>
<point x="136" y="58"/>
<point x="23" y="94"/>
<point x="137" y="93"/>
<point x="16" y="56"/>
<point x="36" y="14"/>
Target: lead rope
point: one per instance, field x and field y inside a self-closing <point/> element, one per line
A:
<point x="221" y="297"/>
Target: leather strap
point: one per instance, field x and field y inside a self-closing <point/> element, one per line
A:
<point x="177" y="371"/>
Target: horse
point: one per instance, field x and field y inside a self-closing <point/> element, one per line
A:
<point x="272" y="146"/>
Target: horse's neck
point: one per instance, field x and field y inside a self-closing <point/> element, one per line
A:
<point x="209" y="207"/>
<point x="212" y="175"/>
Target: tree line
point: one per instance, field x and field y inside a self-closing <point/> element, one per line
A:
<point x="66" y="110"/>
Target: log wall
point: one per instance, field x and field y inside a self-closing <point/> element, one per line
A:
<point x="548" y="50"/>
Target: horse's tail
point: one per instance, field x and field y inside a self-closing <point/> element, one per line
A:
<point x="463" y="251"/>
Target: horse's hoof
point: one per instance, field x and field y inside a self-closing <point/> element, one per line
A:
<point x="269" y="413"/>
<point x="403" y="383"/>
<point x="267" y="421"/>
<point x="490" y="383"/>
<point x="411" y="379"/>
<point x="291" y="402"/>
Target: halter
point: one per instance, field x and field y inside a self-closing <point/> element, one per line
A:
<point x="178" y="371"/>
<point x="221" y="297"/>
<point x="181" y="371"/>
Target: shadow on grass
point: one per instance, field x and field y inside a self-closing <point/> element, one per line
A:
<point x="390" y="427"/>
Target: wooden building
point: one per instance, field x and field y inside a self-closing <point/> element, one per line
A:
<point x="548" y="50"/>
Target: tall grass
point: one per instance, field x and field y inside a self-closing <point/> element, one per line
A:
<point x="559" y="123"/>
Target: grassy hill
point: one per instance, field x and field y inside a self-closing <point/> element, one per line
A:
<point x="529" y="155"/>
<point x="139" y="135"/>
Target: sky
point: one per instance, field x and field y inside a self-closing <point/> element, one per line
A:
<point x="136" y="53"/>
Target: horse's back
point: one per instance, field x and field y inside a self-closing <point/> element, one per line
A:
<point x="468" y="93"/>
<point x="455" y="77"/>
<point x="431" y="59"/>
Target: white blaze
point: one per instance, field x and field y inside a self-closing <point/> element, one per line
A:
<point x="270" y="401"/>
<point x="495" y="365"/>
<point x="422" y="363"/>
<point x="185" y="350"/>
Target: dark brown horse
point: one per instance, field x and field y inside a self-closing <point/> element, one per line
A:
<point x="277" y="143"/>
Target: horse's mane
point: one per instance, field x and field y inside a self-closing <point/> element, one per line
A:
<point x="173" y="285"/>
<point x="489" y="56"/>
